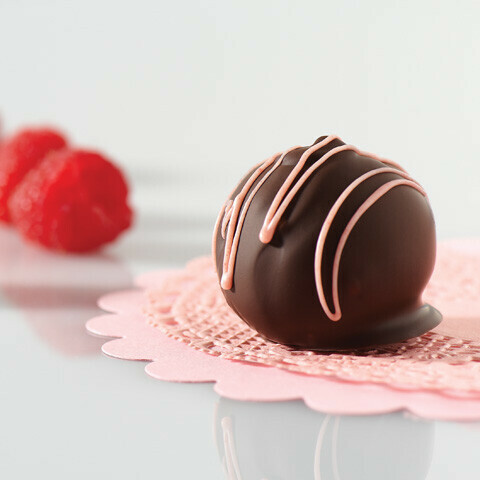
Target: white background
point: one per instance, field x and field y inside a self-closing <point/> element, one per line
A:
<point x="205" y="89"/>
<point x="186" y="96"/>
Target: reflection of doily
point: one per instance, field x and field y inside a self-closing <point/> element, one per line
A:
<point x="189" y="306"/>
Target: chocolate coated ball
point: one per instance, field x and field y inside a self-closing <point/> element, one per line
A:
<point x="327" y="247"/>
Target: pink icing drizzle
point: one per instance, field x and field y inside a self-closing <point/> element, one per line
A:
<point x="234" y="212"/>
<point x="279" y="204"/>
<point x="277" y="207"/>
<point x="226" y="211"/>
<point x="226" y="217"/>
<point x="337" y="314"/>
<point x="215" y="230"/>
<point x="234" y="227"/>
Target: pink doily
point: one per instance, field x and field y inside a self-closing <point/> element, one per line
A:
<point x="431" y="375"/>
<point x="190" y="307"/>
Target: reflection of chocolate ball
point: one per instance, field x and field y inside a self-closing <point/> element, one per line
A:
<point x="287" y="440"/>
<point x="327" y="247"/>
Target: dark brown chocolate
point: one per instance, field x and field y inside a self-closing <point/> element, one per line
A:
<point x="387" y="259"/>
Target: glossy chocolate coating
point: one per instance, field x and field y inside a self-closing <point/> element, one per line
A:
<point x="385" y="266"/>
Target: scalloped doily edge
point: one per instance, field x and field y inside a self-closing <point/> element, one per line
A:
<point x="174" y="361"/>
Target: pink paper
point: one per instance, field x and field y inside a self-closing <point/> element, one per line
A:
<point x="434" y="376"/>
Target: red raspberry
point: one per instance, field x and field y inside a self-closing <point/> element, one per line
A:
<point x="21" y="153"/>
<point x="75" y="200"/>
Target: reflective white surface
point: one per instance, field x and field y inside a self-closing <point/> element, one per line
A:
<point x="187" y="96"/>
<point x="67" y="411"/>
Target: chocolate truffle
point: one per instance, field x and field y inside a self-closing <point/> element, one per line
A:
<point x="327" y="247"/>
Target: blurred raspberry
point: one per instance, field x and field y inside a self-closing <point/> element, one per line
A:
<point x="75" y="200"/>
<point x="19" y="154"/>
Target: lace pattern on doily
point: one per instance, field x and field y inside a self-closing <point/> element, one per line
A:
<point x="190" y="307"/>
